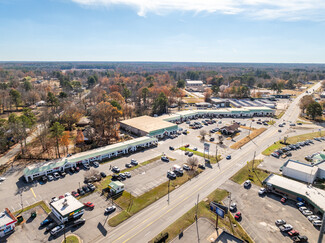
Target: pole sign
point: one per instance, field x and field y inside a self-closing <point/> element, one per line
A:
<point x="214" y="205"/>
<point x="206" y="147"/>
<point x="220" y="212"/>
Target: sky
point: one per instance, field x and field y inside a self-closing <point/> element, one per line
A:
<point x="268" y="31"/>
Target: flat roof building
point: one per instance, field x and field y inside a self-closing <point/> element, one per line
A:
<point x="67" y="208"/>
<point x="193" y="83"/>
<point x="7" y="222"/>
<point x="147" y="125"/>
<point x="300" y="171"/>
<point x="116" y="187"/>
<point x="297" y="191"/>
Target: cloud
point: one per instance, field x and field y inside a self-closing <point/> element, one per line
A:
<point x="262" y="9"/>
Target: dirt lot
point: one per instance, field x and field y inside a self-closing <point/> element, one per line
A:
<point x="260" y="213"/>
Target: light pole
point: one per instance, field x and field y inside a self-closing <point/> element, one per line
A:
<point x="168" y="190"/>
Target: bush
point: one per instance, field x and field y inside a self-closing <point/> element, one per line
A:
<point x="161" y="238"/>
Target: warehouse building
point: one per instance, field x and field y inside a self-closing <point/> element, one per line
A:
<point x="67" y="208"/>
<point x="147" y="125"/>
<point x="193" y="83"/>
<point x="296" y="191"/>
<point x="43" y="169"/>
<point x="300" y="171"/>
<point x="7" y="223"/>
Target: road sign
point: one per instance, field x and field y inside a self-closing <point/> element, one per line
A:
<point x="206" y="147"/>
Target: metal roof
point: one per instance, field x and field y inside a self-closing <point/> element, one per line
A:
<point x="37" y="168"/>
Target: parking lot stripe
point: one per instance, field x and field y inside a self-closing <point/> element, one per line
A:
<point x="33" y="192"/>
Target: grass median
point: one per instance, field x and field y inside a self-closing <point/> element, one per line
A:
<point x="212" y="158"/>
<point x="204" y="211"/>
<point x="251" y="172"/>
<point x="292" y="140"/>
<point x="248" y="138"/>
<point x="131" y="205"/>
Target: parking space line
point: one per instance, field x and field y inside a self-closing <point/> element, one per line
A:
<point x="33" y="192"/>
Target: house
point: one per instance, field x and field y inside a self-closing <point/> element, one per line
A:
<point x="230" y="130"/>
<point x="116" y="187"/>
<point x="7" y="223"/>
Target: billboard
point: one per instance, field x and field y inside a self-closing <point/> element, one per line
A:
<point x="214" y="205"/>
<point x="220" y="212"/>
<point x="206" y="147"/>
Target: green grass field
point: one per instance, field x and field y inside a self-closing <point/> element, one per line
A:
<point x="71" y="239"/>
<point x="251" y="172"/>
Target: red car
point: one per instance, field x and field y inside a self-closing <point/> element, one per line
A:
<point x="283" y="200"/>
<point x="77" y="169"/>
<point x="238" y="215"/>
<point x="186" y="146"/>
<point x="60" y="197"/>
<point x="89" y="205"/>
<point x="293" y="233"/>
<point x="75" y="194"/>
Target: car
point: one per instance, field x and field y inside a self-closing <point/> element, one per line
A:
<point x="233" y="207"/>
<point x="211" y="139"/>
<point x="134" y="162"/>
<point x="186" y="167"/>
<point x="171" y="148"/>
<point x="301" y="209"/>
<point x="115" y="169"/>
<point x="228" y="157"/>
<point x="299" y="123"/>
<point x="85" y="189"/>
<point x="51" y="226"/>
<point x="57" y="229"/>
<point x="185" y="132"/>
<point x="60" y="197"/>
<point x="247" y="183"/>
<point x="50" y="178"/>
<point x="312" y="218"/>
<point x="96" y="164"/>
<point x="72" y="170"/>
<point x="122" y="176"/>
<point x="89" y="205"/>
<point x="201" y="166"/>
<point x="195" y="148"/>
<point x="292" y="124"/>
<point x="46" y="222"/>
<point x="56" y="175"/>
<point x="190" y="154"/>
<point x="307" y="212"/>
<point x="81" y="192"/>
<point x="44" y="178"/>
<point x="293" y="233"/>
<point x="171" y="175"/>
<point x="110" y="209"/>
<point x="283" y="199"/>
<point x="75" y="194"/>
<point x="279" y="222"/>
<point x="186" y="152"/>
<point x="127" y="174"/>
<point x="300" y="238"/>
<point x="300" y="204"/>
<point x="279" y="130"/>
<point x="165" y="158"/>
<point x="285" y="227"/>
<point x="186" y="145"/>
<point x="54" y="199"/>
<point x="87" y="167"/>
<point x="62" y="173"/>
<point x="103" y="174"/>
<point x="238" y="216"/>
<point x="77" y="169"/>
<point x="91" y="187"/>
<point x="280" y="125"/>
<point x="317" y="223"/>
<point x="262" y="191"/>
<point x="78" y="222"/>
<point x="128" y="165"/>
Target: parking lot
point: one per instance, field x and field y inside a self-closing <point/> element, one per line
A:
<point x="273" y="164"/>
<point x="259" y="214"/>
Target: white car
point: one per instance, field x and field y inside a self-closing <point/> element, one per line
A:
<point x="127" y="174"/>
<point x="247" y="183"/>
<point x="186" y="167"/>
<point x="313" y="217"/>
<point x="57" y="229"/>
<point x="110" y="209"/>
<point x="301" y="209"/>
<point x="262" y="191"/>
<point x="67" y="194"/>
<point x="317" y="222"/>
<point x="195" y="148"/>
<point x="134" y="162"/>
<point x="2" y="178"/>
<point x="96" y="164"/>
<point x="233" y="207"/>
<point x="286" y="227"/>
<point x="171" y="174"/>
<point x="307" y="212"/>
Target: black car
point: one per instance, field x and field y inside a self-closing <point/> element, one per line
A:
<point x="44" y="178"/>
<point x="78" y="222"/>
<point x="51" y="226"/>
<point x="72" y="170"/>
<point x="171" y="148"/>
<point x="211" y="139"/>
<point x="103" y="174"/>
<point x="81" y="192"/>
<point x="86" y="189"/>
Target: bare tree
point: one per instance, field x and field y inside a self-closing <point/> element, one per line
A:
<point x="203" y="133"/>
<point x="220" y="138"/>
<point x="90" y="173"/>
<point x="192" y="162"/>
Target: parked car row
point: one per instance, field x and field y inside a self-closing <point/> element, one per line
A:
<point x="121" y="176"/>
<point x="54" y="228"/>
<point x="291" y="147"/>
<point x="314" y="219"/>
<point x="287" y="228"/>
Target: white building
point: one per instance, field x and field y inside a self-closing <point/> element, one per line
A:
<point x="67" y="208"/>
<point x="193" y="83"/>
<point x="7" y="223"/>
<point x="300" y="171"/>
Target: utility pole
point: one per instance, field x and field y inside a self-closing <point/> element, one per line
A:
<point x="217" y="153"/>
<point x="197" y="226"/>
<point x="232" y="229"/>
<point x="321" y="230"/>
<point x="253" y="161"/>
<point x="168" y="190"/>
